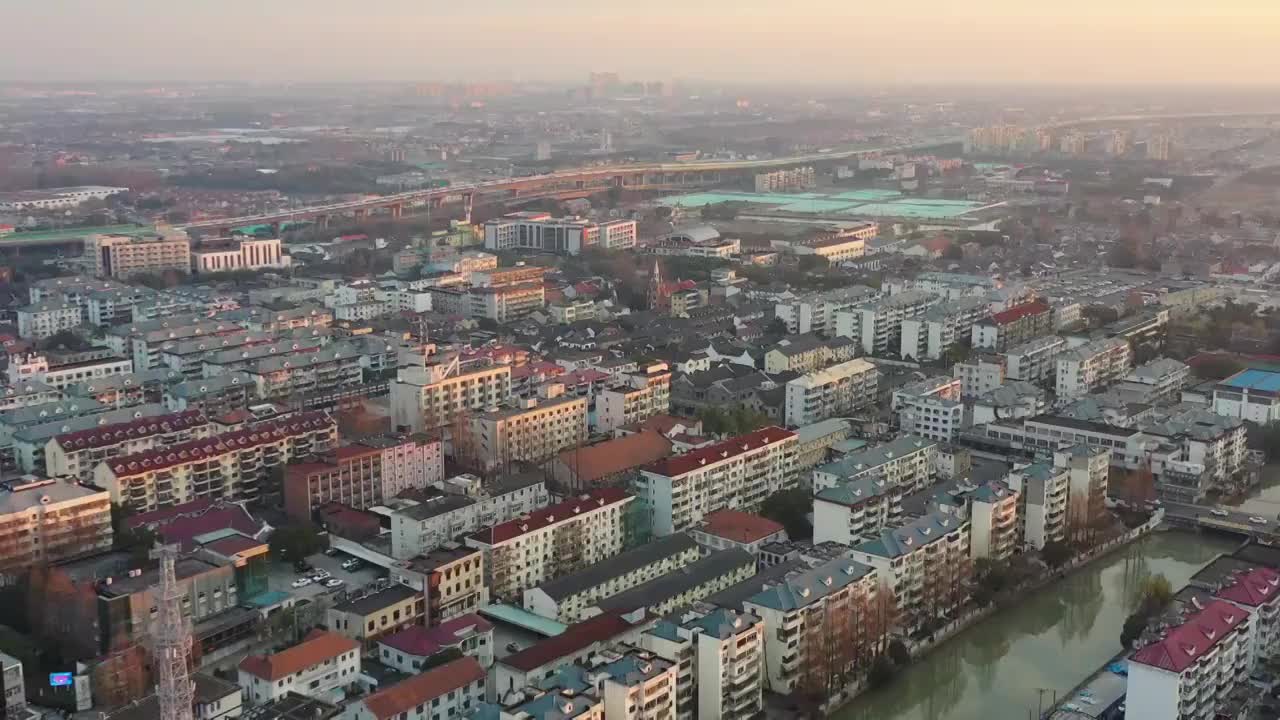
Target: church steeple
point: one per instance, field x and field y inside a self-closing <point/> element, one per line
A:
<point x="655" y="286"/>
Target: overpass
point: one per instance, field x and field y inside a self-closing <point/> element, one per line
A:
<point x="1235" y="522"/>
<point x="646" y="176"/>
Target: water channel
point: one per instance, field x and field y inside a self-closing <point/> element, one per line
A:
<point x="1052" y="640"/>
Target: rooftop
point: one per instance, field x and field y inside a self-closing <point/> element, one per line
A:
<point x="740" y="527"/>
<point x="318" y="646"/>
<point x="806" y="587"/>
<point x="539" y="519"/>
<point x="408" y="694"/>
<point x="198" y="450"/>
<point x="21" y="497"/>
<point x="619" y="565"/>
<point x="574" y="639"/>
<point x="1182" y="646"/>
<point x="910" y="537"/>
<point x="423" y="641"/>
<point x="105" y="435"/>
<point x="595" y="462"/>
<point x="677" y="582"/>
<point x="721" y="451"/>
<point x="380" y="600"/>
<point x="1253" y="379"/>
<point x="857" y="463"/>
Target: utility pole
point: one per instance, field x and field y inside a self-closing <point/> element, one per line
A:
<point x="172" y="646"/>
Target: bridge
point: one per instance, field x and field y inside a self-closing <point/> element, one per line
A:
<point x="1235" y="522"/>
<point x="647" y="176"/>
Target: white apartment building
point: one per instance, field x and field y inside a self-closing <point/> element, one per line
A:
<point x="1190" y="672"/>
<point x="720" y="654"/>
<point x="533" y="431"/>
<point x="244" y="254"/>
<point x="506" y="303"/>
<point x="805" y="615"/>
<point x="552" y="542"/>
<point x="466" y="507"/>
<point x="992" y="512"/>
<point x="952" y="286"/>
<point x="43" y="522"/>
<point x="1157" y="382"/>
<point x="839" y="390"/>
<point x="123" y="256"/>
<point x="635" y="686"/>
<point x="641" y="395"/>
<point x="46" y="318"/>
<point x="1044" y="490"/>
<point x="737" y="473"/>
<point x="569" y="235"/>
<point x="907" y="462"/>
<point x="1082" y="369"/>
<point x="923" y="563"/>
<point x="27" y="393"/>
<point x="568" y="597"/>
<point x="980" y="375"/>
<point x="930" y="408"/>
<point x="928" y="337"/>
<point x="1035" y="360"/>
<point x="298" y="374"/>
<point x="34" y="366"/>
<point x="853" y="511"/>
<point x="816" y="312"/>
<point x="78" y="453"/>
<point x="786" y="179"/>
<point x="315" y="667"/>
<point x="425" y="397"/>
<point x="1249" y="395"/>
<point x="877" y="326"/>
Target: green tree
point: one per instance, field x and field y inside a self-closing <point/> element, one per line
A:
<point x="790" y="508"/>
<point x="295" y="542"/>
<point x="1155" y="591"/>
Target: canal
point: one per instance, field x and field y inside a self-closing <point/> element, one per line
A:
<point x="1052" y="640"/>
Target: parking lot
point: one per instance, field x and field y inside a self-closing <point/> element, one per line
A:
<point x="282" y="576"/>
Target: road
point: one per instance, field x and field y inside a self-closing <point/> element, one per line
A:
<point x="1234" y="519"/>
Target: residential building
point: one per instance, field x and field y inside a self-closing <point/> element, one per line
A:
<point x="817" y="441"/>
<point x="907" y="462"/>
<point x="1014" y="326"/>
<point x="850" y="512"/>
<point x="808" y="353"/>
<point x="452" y="577"/>
<point x="696" y="581"/>
<point x="1191" y="671"/>
<point x="30" y="439"/>
<point x="464" y="507"/>
<point x="538" y="231"/>
<point x="1257" y="591"/>
<point x="1249" y="395"/>
<point x="1044" y="490"/>
<point x="737" y="473"/>
<point x="728" y="528"/>
<point x="928" y="337"/>
<point x="429" y="396"/>
<point x="215" y="396"/>
<point x="238" y="254"/>
<point x="144" y="341"/>
<point x="1012" y="401"/>
<point x="451" y="690"/>
<point x="210" y="586"/>
<point x="786" y="180"/>
<point x="27" y="393"/>
<point x="720" y="654"/>
<point x="534" y="431"/>
<point x="135" y="388"/>
<point x="980" y="375"/>
<point x="303" y="372"/>
<point x="992" y="511"/>
<point x="363" y="474"/>
<point x="541" y="660"/>
<point x="232" y="465"/>
<point x="408" y="649"/>
<point x="1197" y="451"/>
<point x="552" y="542"/>
<point x="816" y="312"/>
<point x="930" y="408"/>
<point x="318" y="666"/>
<point x="124" y="256"/>
<point x="838" y="390"/>
<point x="78" y="453"/>
<point x="47" y="318"/>
<point x="1084" y="368"/>
<point x="1158" y="382"/>
<point x="56" y="198"/>
<point x="805" y="615"/>
<point x="25" y="367"/>
<point x="43" y="522"/>
<point x="376" y="615"/>
<point x="877" y="326"/>
<point x="13" y="691"/>
<point x="925" y="563"/>
<point x="506" y="303"/>
<point x="835" y="250"/>
<point x="610" y="462"/>
<point x="568" y="598"/>
<point x="640" y="395"/>
<point x="1035" y="360"/>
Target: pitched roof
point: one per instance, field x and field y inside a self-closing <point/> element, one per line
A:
<point x="681" y="464"/>
<point x="575" y="638"/>
<point x="592" y="500"/>
<point x="1185" y="644"/>
<point x="318" y="646"/>
<point x="1018" y="312"/>
<point x="696" y="574"/>
<point x="408" y="694"/>
<point x="803" y="588"/>
<point x="738" y="526"/>
<point x="423" y="641"/>
<point x="121" y="432"/>
<point x="601" y="460"/>
<point x="910" y="537"/>
<point x="181" y="524"/>
<point x="1253" y="588"/>
<point x="621" y="564"/>
<point x="378" y="601"/>
<point x="197" y="450"/>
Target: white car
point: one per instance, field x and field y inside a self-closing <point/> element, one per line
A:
<point x="1219" y="512"/>
<point x="302" y="582"/>
<point x="319" y="575"/>
<point x="1257" y="520"/>
<point x="332" y="583"/>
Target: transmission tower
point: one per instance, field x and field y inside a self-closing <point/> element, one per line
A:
<point x="172" y="642"/>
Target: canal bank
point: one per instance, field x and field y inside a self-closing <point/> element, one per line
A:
<point x="1010" y="663"/>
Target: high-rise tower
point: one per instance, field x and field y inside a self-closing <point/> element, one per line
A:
<point x="172" y="642"/>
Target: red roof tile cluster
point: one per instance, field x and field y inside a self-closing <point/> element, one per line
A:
<point x="575" y="638"/>
<point x="734" y="446"/>
<point x="180" y="524"/>
<point x="1183" y="645"/>
<point x="198" y="450"/>
<point x="1018" y="312"/>
<point x="1254" y="588"/>
<point x="315" y="649"/>
<point x="423" y="641"/>
<point x="593" y="500"/>
<point x="738" y="526"/>
<point x="115" y="433"/>
<point x="408" y="694"/>
<point x="595" y="462"/>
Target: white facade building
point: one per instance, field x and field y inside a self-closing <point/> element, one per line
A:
<point x="1082" y="369"/>
<point x="838" y="390"/>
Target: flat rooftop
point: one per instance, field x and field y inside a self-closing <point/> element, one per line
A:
<point x="1254" y="379"/>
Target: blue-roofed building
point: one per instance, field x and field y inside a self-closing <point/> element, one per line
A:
<point x="804" y="613"/>
<point x="849" y="511"/>
<point x="908" y="461"/>
<point x="566" y="705"/>
<point x="1251" y="394"/>
<point x="726" y="648"/>
<point x="992" y="511"/>
<point x="925" y="564"/>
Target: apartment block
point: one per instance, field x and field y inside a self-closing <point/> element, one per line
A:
<point x="305" y="372"/>
<point x="1157" y="382"/>
<point x="877" y="326"/>
<point x="241" y="254"/>
<point x="1035" y="360"/>
<point x="816" y="312"/>
<point x="144" y="341"/>
<point x="1015" y="326"/>
<point x="315" y="667"/>
<point x="409" y="649"/>
<point x="506" y="303"/>
<point x="363" y="474"/>
<point x="25" y="367"/>
<point x="44" y="319"/>
<point x="425" y="397"/>
<point x="720" y="656"/>
<point x="838" y="390"/>
<point x="737" y="473"/>
<point x="538" y="231"/>
<point x="1083" y="369"/>
<point x="27" y="393"/>
<point x="78" y="453"/>
<point x="700" y="579"/>
<point x="926" y="564"/>
<point x="785" y="180"/>
<point x="928" y="337"/>
<point x="1257" y="591"/>
<point x="125" y="390"/>
<point x="808" y="353"/>
<point x="992" y="512"/>
<point x="533" y="431"/>
<point x="980" y="375"/>
<point x="553" y="542"/>
<point x="31" y="438"/>
<point x="230" y="466"/>
<point x="907" y="462"/>
<point x="379" y="614"/>
<point x="465" y="507"/>
<point x="124" y="256"/>
<point x="43" y="522"/>
<point x="214" y="396"/>
<point x="1043" y="493"/>
<point x="1249" y="395"/>
<point x="849" y="512"/>
<point x="930" y="408"/>
<point x="725" y="528"/>
<point x="453" y="579"/>
<point x="640" y="396"/>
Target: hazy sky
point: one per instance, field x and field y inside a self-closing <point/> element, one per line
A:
<point x="856" y="41"/>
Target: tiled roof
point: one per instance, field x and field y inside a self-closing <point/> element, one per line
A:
<point x="804" y="588"/>
<point x="738" y="526"/>
<point x="316" y="648"/>
<point x="423" y="641"/>
<point x="598" y="574"/>
<point x="1183" y="645"/>
<point x="1018" y="312"/>
<point x="408" y="694"/>
<point x="180" y="524"/>
<point x="1253" y="588"/>
<point x="197" y="450"/>
<point x="652" y="594"/>
<point x="682" y="464"/>
<point x="575" y="638"/>
<point x="122" y="432"/>
<point x="601" y="460"/>
<point x="547" y="516"/>
<point x="910" y="537"/>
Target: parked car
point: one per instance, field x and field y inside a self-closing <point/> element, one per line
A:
<point x="302" y="582"/>
<point x="333" y="552"/>
<point x="1258" y="520"/>
<point x="320" y="574"/>
<point x="351" y="564"/>
<point x="333" y="583"/>
<point x="1219" y="512"/>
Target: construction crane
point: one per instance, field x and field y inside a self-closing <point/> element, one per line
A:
<point x="172" y="641"/>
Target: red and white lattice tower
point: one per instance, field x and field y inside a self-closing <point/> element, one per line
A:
<point x="172" y="642"/>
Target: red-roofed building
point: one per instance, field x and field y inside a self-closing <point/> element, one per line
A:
<point x="1013" y="327"/>
<point x="1190" y="672"/>
<point x="230" y="466"/>
<point x="448" y="691"/>
<point x="182" y="524"/>
<point x="363" y="474"/>
<point x="315" y="667"/>
<point x="553" y="541"/>
<point x="737" y="473"/>
<point x="408" y="649"/>
<point x="727" y="528"/>
<point x="1258" y="591"/>
<point x="577" y="642"/>
<point x="78" y="453"/>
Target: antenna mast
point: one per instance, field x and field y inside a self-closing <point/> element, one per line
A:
<point x="172" y="646"/>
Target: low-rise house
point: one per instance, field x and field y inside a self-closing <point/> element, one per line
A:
<point x="728" y="528"/>
<point x="386" y="612"/>
<point x="322" y="663"/>
<point x="409" y="649"/>
<point x="448" y="691"/>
